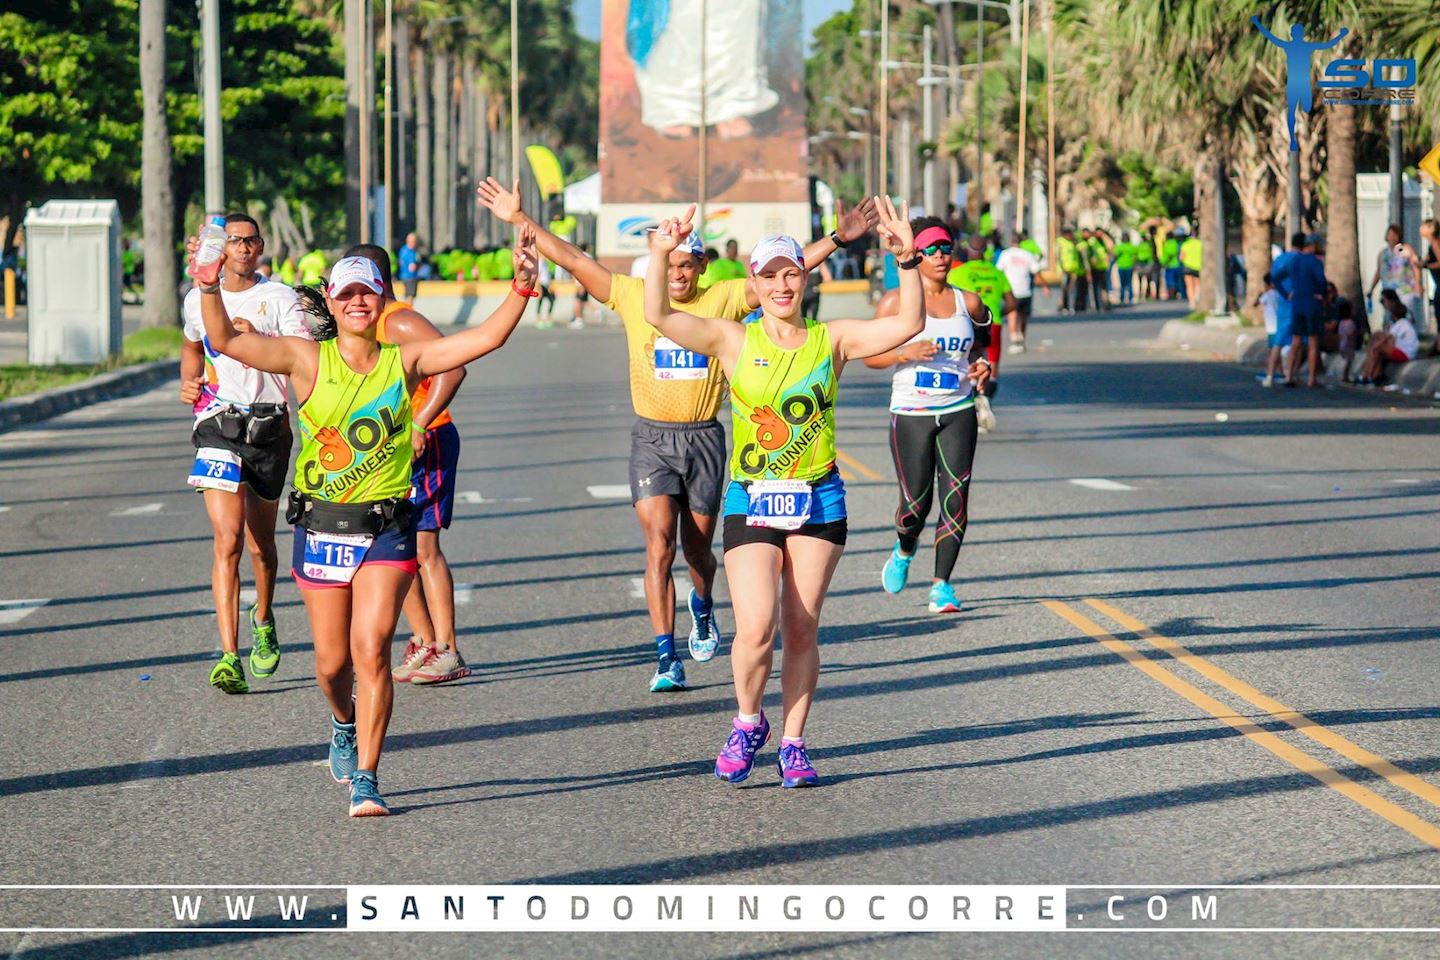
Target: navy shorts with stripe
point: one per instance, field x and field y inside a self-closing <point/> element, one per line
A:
<point x="433" y="478"/>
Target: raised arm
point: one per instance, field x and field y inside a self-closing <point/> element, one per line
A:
<point x="505" y="204"/>
<point x="711" y="336"/>
<point x="284" y="355"/>
<point x="850" y="225"/>
<point x="1268" y="35"/>
<point x="857" y="339"/>
<point x="428" y="358"/>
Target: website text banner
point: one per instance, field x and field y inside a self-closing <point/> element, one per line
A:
<point x="1271" y="907"/>
<point x="751" y="101"/>
<point x="722" y="908"/>
<point x="172" y="907"/>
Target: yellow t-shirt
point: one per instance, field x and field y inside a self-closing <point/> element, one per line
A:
<point x="667" y="382"/>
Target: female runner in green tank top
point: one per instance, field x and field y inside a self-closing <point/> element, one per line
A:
<point x="785" y="506"/>
<point x="355" y="545"/>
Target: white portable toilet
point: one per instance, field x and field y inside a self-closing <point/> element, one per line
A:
<point x="73" y="266"/>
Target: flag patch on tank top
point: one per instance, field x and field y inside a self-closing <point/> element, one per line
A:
<point x="761" y="361"/>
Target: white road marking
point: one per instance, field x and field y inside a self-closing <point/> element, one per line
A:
<point x="1405" y="480"/>
<point x="1100" y="483"/>
<point x="464" y="592"/>
<point x="13" y="611"/>
<point x="145" y="510"/>
<point x="248" y="595"/>
<point x="475" y="496"/>
<point x="610" y="491"/>
<point x="5" y="509"/>
<point x="637" y="587"/>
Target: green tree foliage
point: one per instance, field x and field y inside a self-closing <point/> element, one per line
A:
<point x="1154" y="190"/>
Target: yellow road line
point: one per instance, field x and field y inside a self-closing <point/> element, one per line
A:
<point x="857" y="466"/>
<point x="1421" y="829"/>
<point x="1322" y="735"/>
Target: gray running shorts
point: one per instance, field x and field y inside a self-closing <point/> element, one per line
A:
<point x="685" y="460"/>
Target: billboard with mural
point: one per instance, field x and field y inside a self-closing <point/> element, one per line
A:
<point x="651" y="110"/>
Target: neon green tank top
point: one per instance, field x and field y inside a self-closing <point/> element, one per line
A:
<point x="783" y="407"/>
<point x="355" y="430"/>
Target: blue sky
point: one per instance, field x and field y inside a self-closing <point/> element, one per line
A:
<point x="587" y="15"/>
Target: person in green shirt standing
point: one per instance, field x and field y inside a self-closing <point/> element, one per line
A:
<point x="1145" y="264"/>
<point x="1075" y="291"/>
<point x="1125" y="255"/>
<point x="1099" y="244"/>
<point x="1170" y="263"/>
<point x="986" y="281"/>
<point x="312" y="267"/>
<point x="1192" y="255"/>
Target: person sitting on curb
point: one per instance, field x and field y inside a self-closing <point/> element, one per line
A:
<point x="1399" y="344"/>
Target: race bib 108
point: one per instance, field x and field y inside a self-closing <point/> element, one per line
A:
<point x="779" y="504"/>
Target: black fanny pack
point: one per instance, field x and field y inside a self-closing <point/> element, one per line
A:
<point x="264" y="424"/>
<point x="371" y="518"/>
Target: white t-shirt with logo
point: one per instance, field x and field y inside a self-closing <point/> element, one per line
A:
<point x="1270" y="303"/>
<point x="273" y="310"/>
<point x="1019" y="266"/>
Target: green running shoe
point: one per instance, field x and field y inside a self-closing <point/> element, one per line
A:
<point x="264" y="647"/>
<point x="229" y="676"/>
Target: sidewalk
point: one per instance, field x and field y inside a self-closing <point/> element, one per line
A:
<point x="14" y="335"/>
<point x="1247" y="345"/>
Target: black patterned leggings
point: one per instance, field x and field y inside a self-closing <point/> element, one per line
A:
<point x="930" y="450"/>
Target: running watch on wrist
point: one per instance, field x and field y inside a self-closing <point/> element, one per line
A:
<point x="912" y="263"/>
<point x="835" y="238"/>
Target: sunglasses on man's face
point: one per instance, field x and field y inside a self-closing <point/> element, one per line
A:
<point x="944" y="249"/>
<point x="244" y="241"/>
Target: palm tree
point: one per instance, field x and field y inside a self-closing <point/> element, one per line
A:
<point x="162" y="308"/>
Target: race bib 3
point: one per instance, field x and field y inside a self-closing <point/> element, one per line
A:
<point x="945" y="381"/>
<point x="674" y="362"/>
<point x="334" y="557"/>
<point x="215" y="469"/>
<point x="779" y="504"/>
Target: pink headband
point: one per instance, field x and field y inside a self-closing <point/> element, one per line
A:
<point x="933" y="235"/>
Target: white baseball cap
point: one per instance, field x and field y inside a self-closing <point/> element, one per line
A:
<point x="779" y="247"/>
<point x="352" y="270"/>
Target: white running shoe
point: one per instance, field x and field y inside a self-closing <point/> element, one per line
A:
<point x="984" y="416"/>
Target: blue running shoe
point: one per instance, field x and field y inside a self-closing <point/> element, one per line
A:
<point x="943" y="599"/>
<point x="343" y="754"/>
<point x="737" y="757"/>
<point x="897" y="571"/>
<point x="704" y="634"/>
<point x="669" y="675"/>
<point x="795" y="767"/>
<point x="365" y="799"/>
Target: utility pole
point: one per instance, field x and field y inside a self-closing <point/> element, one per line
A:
<point x="214" y="131"/>
<point x="515" y="89"/>
<point x="1397" y="172"/>
<point x="387" y="217"/>
<point x="1052" y="213"/>
<point x="885" y="97"/>
<point x="1020" y="185"/>
<point x="1293" y="195"/>
<point x="927" y="88"/>
<point x="704" y="159"/>
<point x="980" y="107"/>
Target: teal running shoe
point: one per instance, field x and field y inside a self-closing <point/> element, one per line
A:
<point x="344" y="755"/>
<point x="943" y="599"/>
<point x="365" y="799"/>
<point x="264" y="647"/>
<point x="704" y="634"/>
<point x="669" y="675"/>
<point x="897" y="571"/>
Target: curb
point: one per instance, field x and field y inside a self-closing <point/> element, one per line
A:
<point x="107" y="386"/>
<point x="1231" y="342"/>
<point x="1420" y="377"/>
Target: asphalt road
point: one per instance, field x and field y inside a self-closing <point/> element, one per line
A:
<point x="1286" y="539"/>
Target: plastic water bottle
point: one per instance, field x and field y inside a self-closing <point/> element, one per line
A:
<point x="205" y="265"/>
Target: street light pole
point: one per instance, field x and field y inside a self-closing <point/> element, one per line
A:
<point x="515" y="89"/>
<point x="214" y="131"/>
<point x="1051" y="213"/>
<point x="884" y="97"/>
<point x="704" y="143"/>
<point x="367" y="107"/>
<point x="927" y="173"/>
<point x="389" y="170"/>
<point x="1020" y="185"/>
<point x="980" y="106"/>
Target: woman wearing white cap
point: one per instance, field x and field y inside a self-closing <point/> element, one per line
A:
<point x="354" y="553"/>
<point x="784" y="509"/>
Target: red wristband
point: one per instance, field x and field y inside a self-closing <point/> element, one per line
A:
<point x="525" y="291"/>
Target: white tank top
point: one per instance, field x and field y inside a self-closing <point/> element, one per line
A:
<point x="942" y="383"/>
